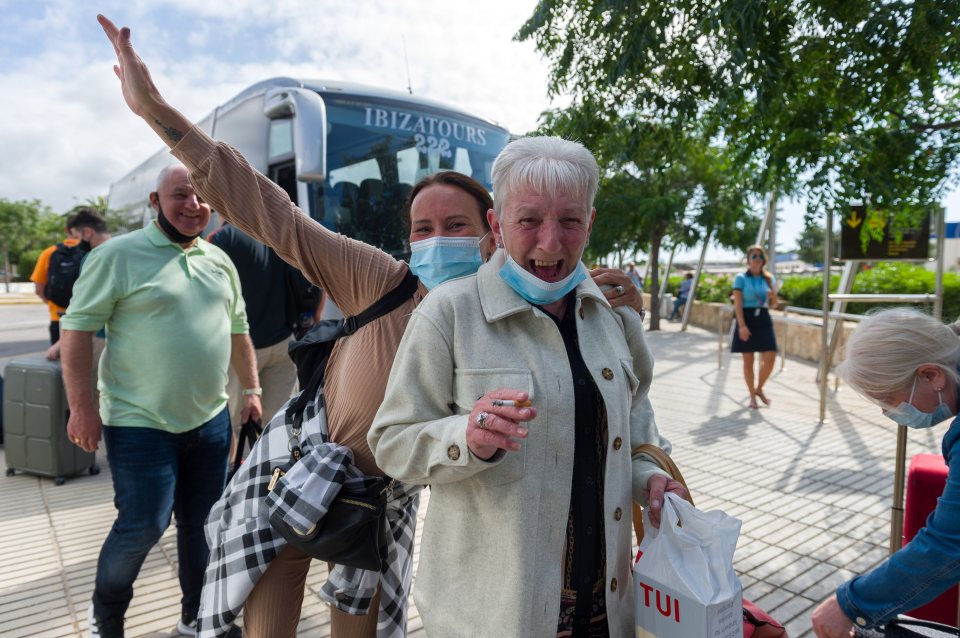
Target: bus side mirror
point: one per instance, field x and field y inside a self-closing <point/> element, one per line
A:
<point x="309" y="115"/>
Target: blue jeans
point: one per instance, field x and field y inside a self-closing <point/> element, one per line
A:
<point x="677" y="304"/>
<point x="156" y="473"/>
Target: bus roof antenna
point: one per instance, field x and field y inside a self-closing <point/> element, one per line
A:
<point x="407" y="62"/>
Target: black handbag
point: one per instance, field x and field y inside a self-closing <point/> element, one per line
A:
<point x="352" y="531"/>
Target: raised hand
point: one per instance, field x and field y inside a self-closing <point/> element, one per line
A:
<point x="139" y="91"/>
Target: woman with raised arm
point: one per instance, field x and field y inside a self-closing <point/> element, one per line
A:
<point x="445" y="210"/>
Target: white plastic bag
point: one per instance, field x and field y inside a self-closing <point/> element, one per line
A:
<point x="685" y="586"/>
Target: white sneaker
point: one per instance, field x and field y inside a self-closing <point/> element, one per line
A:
<point x="103" y="629"/>
<point x="187" y="628"/>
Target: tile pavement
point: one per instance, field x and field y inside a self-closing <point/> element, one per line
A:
<point x="814" y="500"/>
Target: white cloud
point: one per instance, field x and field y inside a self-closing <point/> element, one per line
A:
<point x="67" y="134"/>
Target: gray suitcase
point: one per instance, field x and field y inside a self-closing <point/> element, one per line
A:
<point x="35" y="414"/>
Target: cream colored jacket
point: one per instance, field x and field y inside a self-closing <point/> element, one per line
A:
<point x="494" y="535"/>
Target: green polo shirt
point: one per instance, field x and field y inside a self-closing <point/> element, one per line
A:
<point x="169" y="314"/>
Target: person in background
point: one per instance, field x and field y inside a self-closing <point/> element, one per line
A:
<point x="682" y="295"/>
<point x="263" y="277"/>
<point x="517" y="395"/>
<point x="41" y="274"/>
<point x="634" y="276"/>
<point x="449" y="237"/>
<point x="906" y="363"/>
<point x="91" y="230"/>
<point x="174" y="314"/>
<point x="754" y="293"/>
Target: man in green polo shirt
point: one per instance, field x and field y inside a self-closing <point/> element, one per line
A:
<point x="175" y="321"/>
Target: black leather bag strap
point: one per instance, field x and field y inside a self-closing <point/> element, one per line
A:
<point x="383" y="306"/>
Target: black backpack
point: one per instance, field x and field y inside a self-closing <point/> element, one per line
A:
<point x="311" y="353"/>
<point x="62" y="273"/>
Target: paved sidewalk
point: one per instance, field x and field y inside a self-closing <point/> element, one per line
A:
<point x="814" y="500"/>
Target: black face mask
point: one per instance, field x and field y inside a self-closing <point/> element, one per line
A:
<point x="85" y="245"/>
<point x="170" y="230"/>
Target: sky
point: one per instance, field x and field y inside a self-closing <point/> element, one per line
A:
<point x="66" y="134"/>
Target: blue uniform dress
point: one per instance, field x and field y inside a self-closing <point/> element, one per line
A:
<point x="925" y="568"/>
<point x="755" y="314"/>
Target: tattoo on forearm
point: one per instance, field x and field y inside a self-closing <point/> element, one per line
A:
<point x="171" y="132"/>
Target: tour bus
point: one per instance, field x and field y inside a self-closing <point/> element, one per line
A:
<point x="347" y="154"/>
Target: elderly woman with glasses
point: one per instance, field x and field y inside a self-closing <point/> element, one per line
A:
<point x="906" y="362"/>
<point x="754" y="293"/>
<point x="517" y="395"/>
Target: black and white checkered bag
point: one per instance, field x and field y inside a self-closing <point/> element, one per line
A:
<point x="243" y="543"/>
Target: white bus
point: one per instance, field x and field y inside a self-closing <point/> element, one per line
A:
<point x="347" y="154"/>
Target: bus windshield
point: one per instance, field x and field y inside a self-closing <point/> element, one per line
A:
<point x="377" y="149"/>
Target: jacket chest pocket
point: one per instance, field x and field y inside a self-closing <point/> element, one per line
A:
<point x="469" y="385"/>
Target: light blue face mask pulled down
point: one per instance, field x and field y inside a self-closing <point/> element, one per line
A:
<point x="536" y="290"/>
<point x="912" y="417"/>
<point x="440" y="259"/>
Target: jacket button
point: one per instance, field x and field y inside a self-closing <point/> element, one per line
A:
<point x="613" y="585"/>
<point x="607" y="373"/>
<point x="581" y="312"/>
<point x="861" y="621"/>
<point x="453" y="452"/>
<point x="617" y="514"/>
<point x="617" y="443"/>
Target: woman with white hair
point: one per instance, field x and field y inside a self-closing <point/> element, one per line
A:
<point x="905" y="362"/>
<point x="517" y="395"/>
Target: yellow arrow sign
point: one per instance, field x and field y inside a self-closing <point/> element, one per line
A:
<point x="854" y="221"/>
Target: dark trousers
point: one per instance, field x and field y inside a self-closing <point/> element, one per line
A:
<point x="156" y="473"/>
<point x="54" y="332"/>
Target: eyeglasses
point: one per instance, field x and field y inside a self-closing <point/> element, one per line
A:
<point x="756" y="256"/>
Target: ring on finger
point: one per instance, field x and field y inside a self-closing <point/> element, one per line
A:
<point x="482" y="420"/>
<point x="619" y="290"/>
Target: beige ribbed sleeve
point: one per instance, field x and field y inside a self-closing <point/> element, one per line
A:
<point x="352" y="273"/>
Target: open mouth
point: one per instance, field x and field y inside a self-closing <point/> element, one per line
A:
<point x="547" y="270"/>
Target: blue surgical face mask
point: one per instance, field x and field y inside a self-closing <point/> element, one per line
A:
<point x="439" y="259"/>
<point x="910" y="416"/>
<point x="536" y="290"/>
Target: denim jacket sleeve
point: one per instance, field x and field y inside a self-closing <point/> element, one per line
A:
<point x="924" y="568"/>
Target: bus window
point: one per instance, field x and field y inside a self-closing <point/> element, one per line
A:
<point x="281" y="139"/>
<point x="285" y="176"/>
<point x="377" y="149"/>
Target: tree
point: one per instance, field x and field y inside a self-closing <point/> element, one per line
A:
<point x="810" y="244"/>
<point x="834" y="99"/>
<point x="20" y="224"/>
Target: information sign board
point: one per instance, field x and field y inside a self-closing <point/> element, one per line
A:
<point x="870" y="234"/>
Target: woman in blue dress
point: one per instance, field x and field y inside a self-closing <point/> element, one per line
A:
<point x="905" y="362"/>
<point x="754" y="293"/>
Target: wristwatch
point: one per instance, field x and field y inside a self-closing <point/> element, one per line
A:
<point x="252" y="391"/>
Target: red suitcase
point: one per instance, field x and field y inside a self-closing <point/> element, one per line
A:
<point x="926" y="479"/>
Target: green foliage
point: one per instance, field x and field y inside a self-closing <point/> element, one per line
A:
<point x="715" y="288"/>
<point x="805" y="291"/>
<point x="834" y="99"/>
<point x="23" y="225"/>
<point x="811" y="241"/>
<point x="886" y="278"/>
<point x="27" y="261"/>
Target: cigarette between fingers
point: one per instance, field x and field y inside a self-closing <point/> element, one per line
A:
<point x="509" y="403"/>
